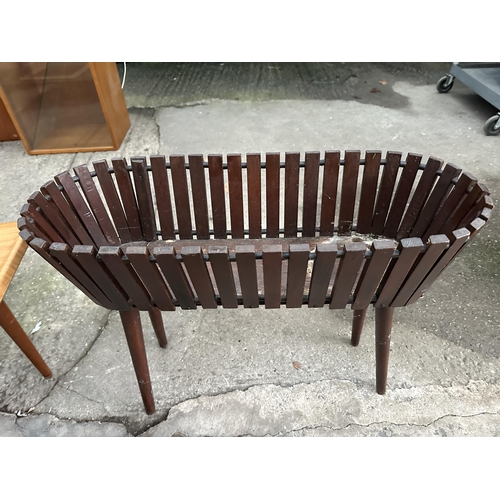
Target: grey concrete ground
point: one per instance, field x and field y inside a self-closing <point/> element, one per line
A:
<point x="235" y="373"/>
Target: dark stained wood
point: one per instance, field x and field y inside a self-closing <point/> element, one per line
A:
<point x="368" y="191"/>
<point x="383" y="328"/>
<point x="272" y="194"/>
<point x="254" y="195"/>
<point x="223" y="273"/>
<point x="348" y="193"/>
<point x="96" y="204"/>
<point x="144" y="198"/>
<point x="292" y="162"/>
<point x="385" y="190"/>
<point x="247" y="273"/>
<point x="326" y="254"/>
<point x="113" y="201"/>
<point x="419" y="197"/>
<point x="30" y="223"/>
<point x="358" y="320"/>
<point x="436" y="199"/>
<point x="162" y="195"/>
<point x="271" y="255"/>
<point x="127" y="195"/>
<point x="30" y="211"/>
<point x="311" y="176"/>
<point x="158" y="326"/>
<point x="174" y="274"/>
<point x="349" y="267"/>
<point x="235" y="195"/>
<point x="199" y="191"/>
<point x="24" y="223"/>
<point x="218" y="196"/>
<point x="181" y="195"/>
<point x="373" y="272"/>
<point x="197" y="269"/>
<point x="485" y="202"/>
<point x="297" y="270"/>
<point x="403" y="191"/>
<point x="329" y="194"/>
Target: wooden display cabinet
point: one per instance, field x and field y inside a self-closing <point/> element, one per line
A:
<point x="65" y="107"/>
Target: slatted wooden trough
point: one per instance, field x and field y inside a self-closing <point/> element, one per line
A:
<point x="333" y="230"/>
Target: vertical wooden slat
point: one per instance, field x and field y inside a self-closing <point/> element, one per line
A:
<point x="272" y="195"/>
<point x="368" y="191"/>
<point x="349" y="267"/>
<point x="435" y="200"/>
<point x="174" y="274"/>
<point x="421" y="193"/>
<point x="24" y="223"/>
<point x="163" y="199"/>
<point x="217" y="195"/>
<point x="144" y="198"/>
<point x="127" y="195"/>
<point x="311" y="175"/>
<point x="385" y="190"/>
<point x="402" y="194"/>
<point x="199" y="191"/>
<point x="113" y="201"/>
<point x="329" y="194"/>
<point x="254" y="195"/>
<point x="297" y="271"/>
<point x="271" y="255"/>
<point x="484" y="205"/>
<point x="42" y="225"/>
<point x="223" y="272"/>
<point x="181" y="195"/>
<point x="197" y="270"/>
<point x="348" y="195"/>
<point x="150" y="276"/>
<point x="292" y="162"/>
<point x="235" y="195"/>
<point x="437" y="245"/>
<point x="326" y="253"/>
<point x="247" y="272"/>
<point x="382" y="252"/>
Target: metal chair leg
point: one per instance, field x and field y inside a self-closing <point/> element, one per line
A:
<point x="383" y="327"/>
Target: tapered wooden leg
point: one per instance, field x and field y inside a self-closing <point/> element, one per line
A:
<point x="131" y="321"/>
<point x="358" y="320"/>
<point x="10" y="324"/>
<point x="383" y="327"/>
<point x="157" y="321"/>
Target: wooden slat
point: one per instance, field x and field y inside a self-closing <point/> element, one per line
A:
<point x="31" y="224"/>
<point x="235" y="195"/>
<point x="163" y="199"/>
<point x="144" y="198"/>
<point x="292" y="162"/>
<point x="437" y="245"/>
<point x="174" y="274"/>
<point x="349" y="267"/>
<point x="24" y="223"/>
<point x="385" y="190"/>
<point x="373" y="272"/>
<point x="484" y="203"/>
<point x="436" y="199"/>
<point x="297" y="271"/>
<point x="254" y="195"/>
<point x="451" y="203"/>
<point x="126" y="277"/>
<point x="112" y="200"/>
<point x="181" y="195"/>
<point x="403" y="191"/>
<point x="96" y="204"/>
<point x="368" y="191"/>
<point x="329" y="193"/>
<point x="199" y="191"/>
<point x="127" y="195"/>
<point x="348" y="194"/>
<point x="247" y="273"/>
<point x="409" y="250"/>
<point x="197" y="270"/>
<point x="223" y="272"/>
<point x="311" y="176"/>
<point x="76" y="200"/>
<point x="421" y="193"/>
<point x="271" y="255"/>
<point x="150" y="276"/>
<point x="30" y="211"/>
<point x="218" y="196"/>
<point x="272" y="195"/>
<point x="326" y="253"/>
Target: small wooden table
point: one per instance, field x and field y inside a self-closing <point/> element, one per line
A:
<point x="12" y="249"/>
